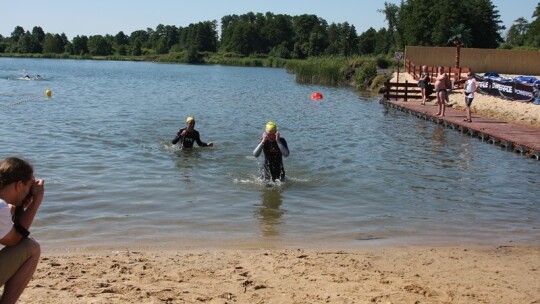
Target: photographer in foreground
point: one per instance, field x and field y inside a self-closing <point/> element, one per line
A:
<point x="20" y="198"/>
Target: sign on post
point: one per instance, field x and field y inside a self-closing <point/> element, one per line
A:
<point x="398" y="56"/>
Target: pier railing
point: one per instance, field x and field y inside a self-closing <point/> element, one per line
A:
<point x="458" y="76"/>
<point x="402" y="91"/>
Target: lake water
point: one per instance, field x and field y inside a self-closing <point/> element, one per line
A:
<point x="358" y="174"/>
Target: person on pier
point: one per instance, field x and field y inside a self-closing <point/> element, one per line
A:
<point x="423" y="83"/>
<point x="442" y="84"/>
<point x="471" y="86"/>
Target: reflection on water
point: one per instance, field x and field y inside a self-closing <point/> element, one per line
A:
<point x="438" y="136"/>
<point x="269" y="212"/>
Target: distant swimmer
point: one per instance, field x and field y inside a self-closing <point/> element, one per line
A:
<point x="188" y="136"/>
<point x="274" y="147"/>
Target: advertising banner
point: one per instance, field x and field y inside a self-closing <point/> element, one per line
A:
<point x="507" y="89"/>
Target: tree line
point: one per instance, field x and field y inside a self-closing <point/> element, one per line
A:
<point x="475" y="23"/>
<point x="524" y="34"/>
<point x="472" y="23"/>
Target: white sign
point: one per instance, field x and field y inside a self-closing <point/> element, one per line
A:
<point x="398" y="55"/>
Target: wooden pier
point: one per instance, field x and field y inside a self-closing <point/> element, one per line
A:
<point x="513" y="137"/>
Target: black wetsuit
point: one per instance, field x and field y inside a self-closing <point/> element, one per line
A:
<point x="272" y="167"/>
<point x="190" y="138"/>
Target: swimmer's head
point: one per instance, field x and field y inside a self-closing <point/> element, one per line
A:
<point x="271" y="126"/>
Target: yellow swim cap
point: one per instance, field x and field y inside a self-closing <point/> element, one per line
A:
<point x="271" y="126"/>
<point x="190" y="118"/>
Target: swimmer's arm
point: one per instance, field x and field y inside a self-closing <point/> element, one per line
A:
<point x="258" y="149"/>
<point x="178" y="137"/>
<point x="283" y="147"/>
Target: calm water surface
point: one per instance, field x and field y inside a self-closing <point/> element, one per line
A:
<point x="357" y="174"/>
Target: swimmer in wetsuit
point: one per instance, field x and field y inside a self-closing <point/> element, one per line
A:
<point x="188" y="136"/>
<point x="274" y="147"/>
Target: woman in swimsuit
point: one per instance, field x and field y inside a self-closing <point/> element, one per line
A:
<point x="423" y="83"/>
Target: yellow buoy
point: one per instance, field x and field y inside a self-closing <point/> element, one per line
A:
<point x="48" y="92"/>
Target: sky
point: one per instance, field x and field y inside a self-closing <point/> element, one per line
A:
<point x="101" y="17"/>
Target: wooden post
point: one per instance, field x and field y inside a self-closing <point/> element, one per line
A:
<point x="397" y="71"/>
<point x="406" y="89"/>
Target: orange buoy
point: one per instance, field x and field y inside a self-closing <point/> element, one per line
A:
<point x="316" y="95"/>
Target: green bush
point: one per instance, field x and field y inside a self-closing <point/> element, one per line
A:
<point x="365" y="75"/>
<point x="378" y="82"/>
<point x="382" y="62"/>
<point x="319" y="70"/>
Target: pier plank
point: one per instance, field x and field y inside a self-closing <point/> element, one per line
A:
<point x="518" y="138"/>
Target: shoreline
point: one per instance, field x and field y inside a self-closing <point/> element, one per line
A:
<point x="403" y="274"/>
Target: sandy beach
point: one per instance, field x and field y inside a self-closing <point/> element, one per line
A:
<point x="462" y="273"/>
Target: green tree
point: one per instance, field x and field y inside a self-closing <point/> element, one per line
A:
<point x="532" y="38"/>
<point x="446" y="14"/>
<point x="342" y="40"/>
<point x="244" y="38"/>
<point x="202" y="36"/>
<point x="161" y="46"/>
<point x="122" y="50"/>
<point x="141" y="35"/>
<point x="484" y="24"/>
<point x="171" y="36"/>
<point x="121" y="39"/>
<point x="310" y="36"/>
<point x="383" y="43"/>
<point x="193" y="55"/>
<point x="99" y="46"/>
<point x="80" y="45"/>
<point x="17" y="33"/>
<point x="38" y="34"/>
<point x="278" y="33"/>
<point x="136" y="47"/>
<point x="53" y="44"/>
<point x="391" y="14"/>
<point x="64" y="38"/>
<point x="516" y="33"/>
<point x="415" y="21"/>
<point x="25" y="44"/>
<point x="367" y="42"/>
<point x="425" y="22"/>
<point x="318" y="42"/>
<point x="244" y="34"/>
<point x="156" y="35"/>
<point x="3" y="44"/>
<point x="280" y="51"/>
